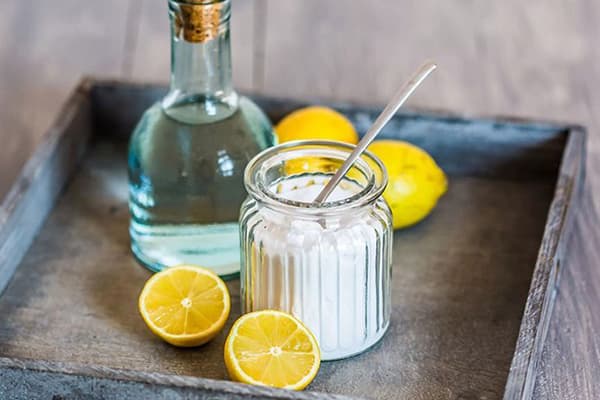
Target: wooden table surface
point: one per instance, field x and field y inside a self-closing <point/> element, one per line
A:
<point x="533" y="59"/>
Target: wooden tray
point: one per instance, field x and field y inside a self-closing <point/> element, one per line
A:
<point x="473" y="285"/>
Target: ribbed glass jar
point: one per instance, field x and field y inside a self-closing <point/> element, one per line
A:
<point x="329" y="264"/>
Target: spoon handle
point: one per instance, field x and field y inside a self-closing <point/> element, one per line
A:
<point x="388" y="112"/>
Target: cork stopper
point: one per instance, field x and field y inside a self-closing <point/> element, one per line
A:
<point x="197" y="21"/>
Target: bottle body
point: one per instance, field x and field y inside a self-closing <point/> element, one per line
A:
<point x="186" y="187"/>
<point x="329" y="265"/>
<point x="186" y="162"/>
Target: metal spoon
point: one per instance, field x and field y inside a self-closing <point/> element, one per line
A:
<point x="388" y="112"/>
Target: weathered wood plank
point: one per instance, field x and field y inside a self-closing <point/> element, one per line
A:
<point x="33" y="195"/>
<point x="497" y="63"/>
<point x="27" y="380"/>
<point x="540" y="303"/>
<point x="571" y="358"/>
<point x="45" y="48"/>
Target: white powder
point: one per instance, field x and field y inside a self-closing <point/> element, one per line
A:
<point x="306" y="189"/>
<point x="333" y="276"/>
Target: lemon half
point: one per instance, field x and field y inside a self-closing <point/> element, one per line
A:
<point x="185" y="305"/>
<point x="272" y="348"/>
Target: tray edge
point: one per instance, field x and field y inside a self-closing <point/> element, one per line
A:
<point x="544" y="285"/>
<point x="148" y="383"/>
<point x="35" y="190"/>
<point x="25" y="192"/>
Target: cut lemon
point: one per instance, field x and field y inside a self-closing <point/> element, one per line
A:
<point x="272" y="348"/>
<point x="185" y="305"/>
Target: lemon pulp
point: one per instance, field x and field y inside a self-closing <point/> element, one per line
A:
<point x="185" y="305"/>
<point x="272" y="348"/>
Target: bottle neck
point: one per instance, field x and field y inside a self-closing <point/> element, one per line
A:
<point x="200" y="54"/>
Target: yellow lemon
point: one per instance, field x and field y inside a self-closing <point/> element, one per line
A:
<point x="415" y="184"/>
<point x="185" y="305"/>
<point x="316" y="122"/>
<point x="272" y="348"/>
<point x="316" y="165"/>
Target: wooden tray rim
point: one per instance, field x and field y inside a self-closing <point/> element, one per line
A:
<point x="33" y="195"/>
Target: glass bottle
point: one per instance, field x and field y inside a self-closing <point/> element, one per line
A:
<point x="327" y="264"/>
<point x="188" y="152"/>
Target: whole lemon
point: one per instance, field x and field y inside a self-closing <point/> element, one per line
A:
<point x="415" y="184"/>
<point x="316" y="122"/>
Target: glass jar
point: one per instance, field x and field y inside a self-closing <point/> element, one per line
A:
<point x="329" y="264"/>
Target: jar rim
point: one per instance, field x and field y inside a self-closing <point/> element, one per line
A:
<point x="199" y="2"/>
<point x="254" y="179"/>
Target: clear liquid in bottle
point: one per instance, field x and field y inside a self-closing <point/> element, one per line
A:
<point x="187" y="157"/>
